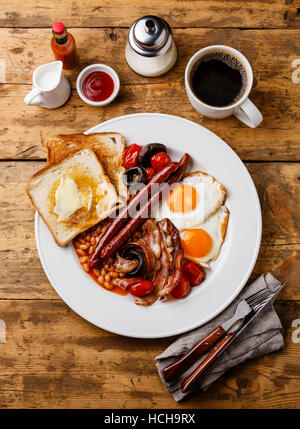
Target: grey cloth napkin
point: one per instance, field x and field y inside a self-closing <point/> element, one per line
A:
<point x="262" y="336"/>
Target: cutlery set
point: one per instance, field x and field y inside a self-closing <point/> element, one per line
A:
<point x="218" y="340"/>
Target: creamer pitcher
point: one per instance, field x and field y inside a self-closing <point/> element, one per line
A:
<point x="50" y="88"/>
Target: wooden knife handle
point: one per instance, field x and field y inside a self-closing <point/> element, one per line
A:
<point x="177" y="367"/>
<point x="193" y="377"/>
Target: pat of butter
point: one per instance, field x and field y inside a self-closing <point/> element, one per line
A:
<point x="68" y="199"/>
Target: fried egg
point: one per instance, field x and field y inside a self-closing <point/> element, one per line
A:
<point x="191" y="201"/>
<point x="203" y="243"/>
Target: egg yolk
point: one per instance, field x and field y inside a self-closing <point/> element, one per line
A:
<point x="183" y="198"/>
<point x="196" y="243"/>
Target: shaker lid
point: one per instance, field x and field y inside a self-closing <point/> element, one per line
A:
<point x="150" y="36"/>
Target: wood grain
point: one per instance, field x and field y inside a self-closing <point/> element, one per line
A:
<point x="22" y="275"/>
<point x="53" y="358"/>
<point x="23" y="128"/>
<point x="179" y="13"/>
<point x="26" y="49"/>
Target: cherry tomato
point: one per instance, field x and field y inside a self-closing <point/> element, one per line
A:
<point x="183" y="288"/>
<point x="160" y="160"/>
<point x="143" y="287"/>
<point x="130" y="156"/>
<point x="194" y="272"/>
<point x="150" y="173"/>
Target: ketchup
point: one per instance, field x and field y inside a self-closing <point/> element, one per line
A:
<point x="98" y="86"/>
<point x="63" y="45"/>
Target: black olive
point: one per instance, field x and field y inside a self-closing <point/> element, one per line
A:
<point x="133" y="252"/>
<point x="148" y="151"/>
<point x="133" y="177"/>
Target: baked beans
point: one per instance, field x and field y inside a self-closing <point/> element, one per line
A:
<point x="105" y="275"/>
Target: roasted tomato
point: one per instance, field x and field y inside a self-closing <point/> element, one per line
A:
<point x="150" y="173"/>
<point x="194" y="272"/>
<point x="160" y="160"/>
<point x="148" y="151"/>
<point x="141" y="288"/>
<point x="183" y="288"/>
<point x="131" y="155"/>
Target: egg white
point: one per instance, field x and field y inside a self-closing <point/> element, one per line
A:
<point x="211" y="196"/>
<point x="216" y="227"/>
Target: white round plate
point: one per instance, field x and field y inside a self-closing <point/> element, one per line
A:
<point x="228" y="273"/>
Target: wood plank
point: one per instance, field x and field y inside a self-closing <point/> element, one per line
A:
<point x="179" y="13"/>
<point x="278" y="188"/>
<point x="24" y="278"/>
<point x="22" y="274"/>
<point x="277" y="184"/>
<point x="54" y="359"/>
<point x="270" y="53"/>
<point x="23" y="128"/>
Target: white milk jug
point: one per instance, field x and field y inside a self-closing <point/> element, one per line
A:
<point x="50" y="88"/>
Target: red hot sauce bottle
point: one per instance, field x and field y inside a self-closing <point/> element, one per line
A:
<point x="63" y="45"/>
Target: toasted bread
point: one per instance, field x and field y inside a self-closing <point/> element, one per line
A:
<point x="96" y="198"/>
<point x="109" y="148"/>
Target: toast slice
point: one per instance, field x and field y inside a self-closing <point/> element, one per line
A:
<point x="109" y="148"/>
<point x="73" y="195"/>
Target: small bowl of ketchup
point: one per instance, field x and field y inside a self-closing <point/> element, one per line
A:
<point x="98" y="85"/>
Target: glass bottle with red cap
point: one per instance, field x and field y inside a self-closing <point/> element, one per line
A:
<point x="63" y="45"/>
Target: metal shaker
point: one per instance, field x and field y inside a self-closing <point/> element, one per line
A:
<point x="150" y="49"/>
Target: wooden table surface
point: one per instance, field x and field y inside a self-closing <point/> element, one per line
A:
<point x="54" y="359"/>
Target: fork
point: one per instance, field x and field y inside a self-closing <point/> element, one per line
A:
<point x="252" y="303"/>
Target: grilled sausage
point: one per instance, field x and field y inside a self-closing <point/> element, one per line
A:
<point x="124" y="214"/>
<point x="141" y="215"/>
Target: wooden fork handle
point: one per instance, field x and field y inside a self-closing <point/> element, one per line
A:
<point x="177" y="367"/>
<point x="194" y="376"/>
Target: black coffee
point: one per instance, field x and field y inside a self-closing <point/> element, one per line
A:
<point x="218" y="79"/>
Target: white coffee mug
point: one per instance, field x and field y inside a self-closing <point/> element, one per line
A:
<point x="51" y="89"/>
<point x="242" y="108"/>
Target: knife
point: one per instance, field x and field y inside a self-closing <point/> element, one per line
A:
<point x="224" y="343"/>
<point x="180" y="365"/>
